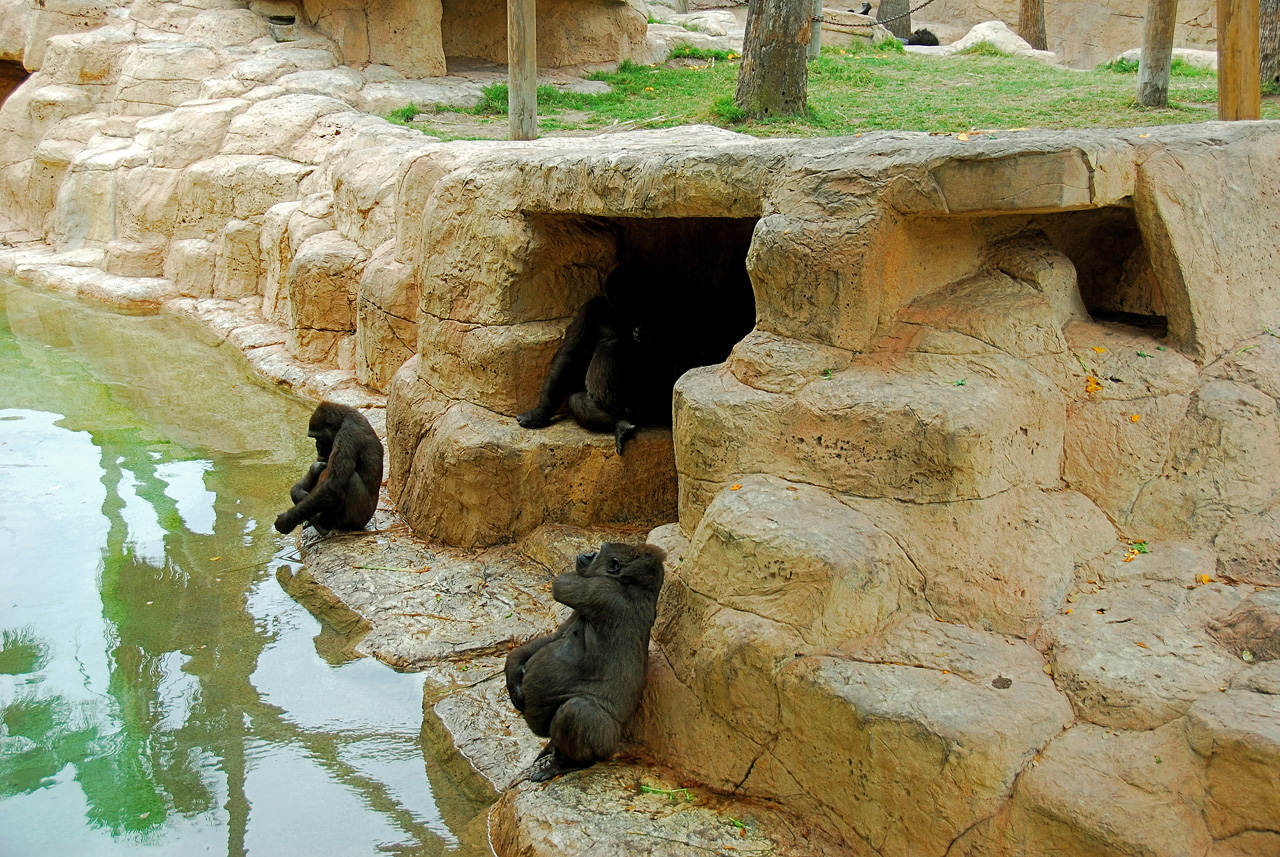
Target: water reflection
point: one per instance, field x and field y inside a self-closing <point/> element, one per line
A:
<point x="159" y="693"/>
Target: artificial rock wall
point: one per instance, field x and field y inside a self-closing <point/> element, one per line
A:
<point x="898" y="516"/>
<point x="902" y="596"/>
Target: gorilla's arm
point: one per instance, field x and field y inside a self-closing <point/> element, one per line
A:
<point x="568" y="372"/>
<point x="517" y="660"/>
<point x="329" y="491"/>
<point x="598" y="598"/>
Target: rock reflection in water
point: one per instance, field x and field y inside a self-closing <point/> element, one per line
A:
<point x="159" y="693"/>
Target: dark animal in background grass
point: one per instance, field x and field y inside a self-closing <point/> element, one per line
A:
<point x="340" y="490"/>
<point x="865" y="10"/>
<point x="580" y="684"/>
<point x="922" y="37"/>
<point x="625" y="349"/>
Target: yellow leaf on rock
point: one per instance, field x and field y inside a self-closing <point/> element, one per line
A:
<point x="735" y="487"/>
<point x="1098" y="349"/>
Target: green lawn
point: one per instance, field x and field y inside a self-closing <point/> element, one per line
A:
<point x="855" y="90"/>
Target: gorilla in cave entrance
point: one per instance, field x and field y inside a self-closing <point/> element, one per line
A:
<point x="626" y="347"/>
<point x="340" y="490"/>
<point x="578" y="685"/>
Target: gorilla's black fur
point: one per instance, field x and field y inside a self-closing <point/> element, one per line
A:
<point x="340" y="490"/>
<point x="626" y="347"/>
<point x="579" y="684"/>
<point x="922" y="37"/>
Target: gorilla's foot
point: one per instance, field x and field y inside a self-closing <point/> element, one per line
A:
<point x="536" y="418"/>
<point x="548" y="766"/>
<point x="622" y="430"/>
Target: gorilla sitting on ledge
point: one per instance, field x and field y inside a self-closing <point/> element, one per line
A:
<point x="579" y="684"/>
<point x="625" y="349"/>
<point x="340" y="490"/>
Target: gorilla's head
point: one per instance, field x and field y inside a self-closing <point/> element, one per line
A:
<point x="635" y="567"/>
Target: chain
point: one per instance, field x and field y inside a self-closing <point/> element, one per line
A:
<point x="906" y="14"/>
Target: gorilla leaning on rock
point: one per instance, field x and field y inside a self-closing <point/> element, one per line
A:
<point x="579" y="684"/>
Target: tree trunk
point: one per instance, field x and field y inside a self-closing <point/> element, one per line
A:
<point x="1031" y="24"/>
<point x="773" y="79"/>
<point x="892" y="9"/>
<point x="1157" y="53"/>
<point x="1269" y="15"/>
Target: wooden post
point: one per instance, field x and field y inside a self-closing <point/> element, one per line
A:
<point x="1239" y="95"/>
<point x="682" y="7"/>
<point x="1157" y="53"/>
<point x="522" y="69"/>
<point x="815" y="31"/>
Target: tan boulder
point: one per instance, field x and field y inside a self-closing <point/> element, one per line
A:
<point x="964" y="427"/>
<point x="135" y="258"/>
<point x="1215" y="295"/>
<point x="159" y="76"/>
<point x="951" y="720"/>
<point x="191" y="132"/>
<point x="1237" y="734"/>
<point x="1137" y="655"/>
<point x="323" y="282"/>
<point x="191" y="264"/>
<point x="1093" y="792"/>
<point x="55" y="17"/>
<point x="223" y="28"/>
<point x="284" y="227"/>
<point x="386" y="318"/>
<point x="795" y="555"/>
<point x="274" y="126"/>
<point x="1006" y="563"/>
<point x="1249" y="548"/>
<point x="225" y="187"/>
<point x="239" y="260"/>
<point x="1215" y="464"/>
<point x="571" y="32"/>
<point x="500" y="367"/>
<point x="479" y="478"/>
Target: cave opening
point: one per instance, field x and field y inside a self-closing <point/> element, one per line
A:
<point x="12" y="74"/>
<point x="685" y="282"/>
<point x="1113" y="269"/>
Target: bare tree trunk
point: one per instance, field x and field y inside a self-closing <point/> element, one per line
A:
<point x="891" y="9"/>
<point x="1031" y="24"/>
<point x="1269" y="15"/>
<point x="1157" y="53"/>
<point x="773" y="79"/>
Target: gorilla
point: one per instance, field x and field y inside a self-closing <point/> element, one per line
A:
<point x="580" y="684"/>
<point x="626" y="347"/>
<point x="340" y="490"/>
<point x="922" y="37"/>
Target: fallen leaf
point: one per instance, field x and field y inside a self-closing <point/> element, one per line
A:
<point x="1140" y="644"/>
<point x="1144" y="135"/>
<point x="1135" y="418"/>
<point x="1246" y="655"/>
<point x="1098" y="349"/>
<point x="963" y="138"/>
<point x="735" y="487"/>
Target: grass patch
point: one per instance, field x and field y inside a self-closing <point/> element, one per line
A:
<point x="858" y="89"/>
<point x="982" y="49"/>
<point x="1178" y="68"/>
